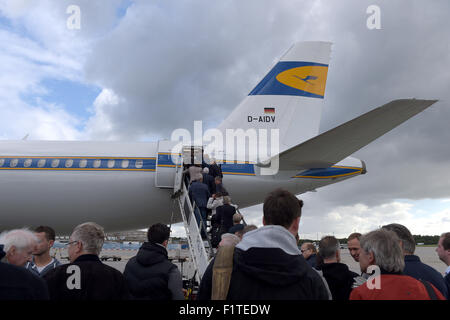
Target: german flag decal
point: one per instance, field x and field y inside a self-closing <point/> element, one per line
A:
<point x="269" y="110"/>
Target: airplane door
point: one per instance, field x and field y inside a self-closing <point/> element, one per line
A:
<point x="166" y="160"/>
<point x="192" y="154"/>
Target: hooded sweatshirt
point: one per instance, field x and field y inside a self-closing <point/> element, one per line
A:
<point x="151" y="276"/>
<point x="267" y="265"/>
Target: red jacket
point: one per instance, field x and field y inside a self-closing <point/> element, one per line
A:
<point x="395" y="287"/>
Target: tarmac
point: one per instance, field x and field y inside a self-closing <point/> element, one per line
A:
<point x="427" y="255"/>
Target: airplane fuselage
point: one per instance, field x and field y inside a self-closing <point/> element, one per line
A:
<point x="118" y="184"/>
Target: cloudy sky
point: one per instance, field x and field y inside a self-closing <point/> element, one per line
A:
<point x="132" y="66"/>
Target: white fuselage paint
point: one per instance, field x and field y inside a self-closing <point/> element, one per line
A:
<point x="117" y="200"/>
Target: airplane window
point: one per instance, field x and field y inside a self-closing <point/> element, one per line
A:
<point x="13" y="163"/>
<point x="83" y="163"/>
<point x="2" y="162"/>
<point x="97" y="163"/>
<point x="125" y="163"/>
<point x="41" y="163"/>
<point x="139" y="164"/>
<point x="69" y="163"/>
<point x="55" y="163"/>
<point x="111" y="163"/>
<point x="27" y="163"/>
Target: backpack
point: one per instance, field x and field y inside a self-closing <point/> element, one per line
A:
<point x="222" y="269"/>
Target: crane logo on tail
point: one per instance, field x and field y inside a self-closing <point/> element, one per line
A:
<point x="310" y="79"/>
<point x="294" y="78"/>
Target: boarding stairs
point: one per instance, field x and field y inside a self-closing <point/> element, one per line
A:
<point x="200" y="249"/>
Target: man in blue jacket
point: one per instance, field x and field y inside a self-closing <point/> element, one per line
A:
<point x="413" y="266"/>
<point x="198" y="192"/>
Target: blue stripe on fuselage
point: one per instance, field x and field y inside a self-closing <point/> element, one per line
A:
<point x="331" y="172"/>
<point x="77" y="163"/>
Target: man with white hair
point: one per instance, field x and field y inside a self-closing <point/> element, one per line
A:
<point x="18" y="245"/>
<point x="381" y="249"/>
<point x="86" y="277"/>
<point x="17" y="283"/>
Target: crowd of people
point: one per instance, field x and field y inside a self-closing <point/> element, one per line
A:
<point x="251" y="263"/>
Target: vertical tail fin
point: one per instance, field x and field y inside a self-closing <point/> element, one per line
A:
<point x="289" y="97"/>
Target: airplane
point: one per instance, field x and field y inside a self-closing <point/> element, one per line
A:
<point x="128" y="185"/>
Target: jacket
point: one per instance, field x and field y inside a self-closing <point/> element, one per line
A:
<point x="31" y="266"/>
<point x="209" y="181"/>
<point x="220" y="188"/>
<point x="421" y="271"/>
<point x="224" y="214"/>
<point x="97" y="281"/>
<point x="215" y="170"/>
<point x="312" y="260"/>
<point x="447" y="281"/>
<point x="199" y="193"/>
<point x="195" y="173"/>
<point x="151" y="276"/>
<point x="214" y="203"/>
<point x="267" y="265"/>
<point x="16" y="283"/>
<point x="395" y="287"/>
<point x="339" y="279"/>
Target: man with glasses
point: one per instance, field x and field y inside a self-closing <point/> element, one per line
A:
<point x="309" y="252"/>
<point x="86" y="277"/>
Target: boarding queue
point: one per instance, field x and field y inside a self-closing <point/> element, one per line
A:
<point x="264" y="263"/>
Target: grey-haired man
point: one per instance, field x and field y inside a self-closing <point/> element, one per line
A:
<point x="86" y="277"/>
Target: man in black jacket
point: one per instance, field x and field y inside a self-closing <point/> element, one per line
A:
<point x="339" y="278"/>
<point x="86" y="277"/>
<point x="267" y="264"/>
<point x="215" y="170"/>
<point x="150" y="275"/>
<point x="17" y="283"/>
<point x="209" y="181"/>
<point x="224" y="214"/>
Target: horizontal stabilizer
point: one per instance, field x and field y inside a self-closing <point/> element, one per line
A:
<point x="336" y="144"/>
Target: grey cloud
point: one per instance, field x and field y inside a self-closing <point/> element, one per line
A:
<point x="193" y="59"/>
<point x="175" y="62"/>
